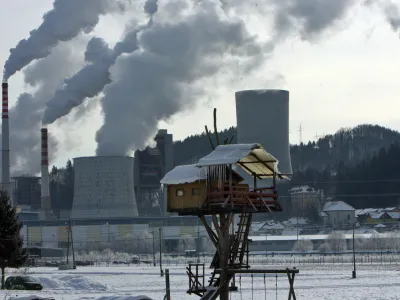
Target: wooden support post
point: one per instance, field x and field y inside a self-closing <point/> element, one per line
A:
<point x="223" y="249"/>
<point x="290" y="276"/>
<point x="167" y="285"/>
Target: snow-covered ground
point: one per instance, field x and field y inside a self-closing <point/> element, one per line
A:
<point x="323" y="281"/>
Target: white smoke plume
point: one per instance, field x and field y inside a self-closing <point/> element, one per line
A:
<point x="91" y="79"/>
<point x="309" y="18"/>
<point x="164" y="75"/>
<point x="65" y="21"/>
<point x="45" y="76"/>
<point x="391" y="11"/>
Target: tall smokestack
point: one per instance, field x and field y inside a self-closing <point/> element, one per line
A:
<point x="45" y="186"/>
<point x="5" y="152"/>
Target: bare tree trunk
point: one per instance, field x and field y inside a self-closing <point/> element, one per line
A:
<point x="3" y="277"/>
<point x="223" y="260"/>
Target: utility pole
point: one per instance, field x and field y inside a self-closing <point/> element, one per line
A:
<point x="68" y="245"/>
<point x="154" y="250"/>
<point x="161" y="270"/>
<point x="72" y="244"/>
<point x="354" y="253"/>
<point x="198" y="243"/>
<point x="301" y="133"/>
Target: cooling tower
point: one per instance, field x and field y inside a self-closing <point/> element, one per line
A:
<point x="263" y="117"/>
<point x="103" y="187"/>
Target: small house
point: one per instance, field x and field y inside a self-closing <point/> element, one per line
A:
<point x="213" y="186"/>
<point x="337" y="213"/>
<point x="187" y="187"/>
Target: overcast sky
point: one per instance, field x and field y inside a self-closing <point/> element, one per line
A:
<point x="347" y="77"/>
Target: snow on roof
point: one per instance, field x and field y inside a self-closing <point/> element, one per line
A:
<point x="183" y="174"/>
<point x="364" y="211"/>
<point x="394" y="215"/>
<point x="255" y="226"/>
<point x="301" y="189"/>
<point x="380" y="226"/>
<point x="299" y="220"/>
<point x="337" y="206"/>
<point x="376" y="215"/>
<point x="252" y="158"/>
<point x="294" y="237"/>
<point x="271" y="224"/>
<point x="323" y="214"/>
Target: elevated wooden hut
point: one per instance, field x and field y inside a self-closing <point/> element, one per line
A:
<point x="213" y="186"/>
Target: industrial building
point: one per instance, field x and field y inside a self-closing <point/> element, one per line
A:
<point x="26" y="191"/>
<point x="151" y="165"/>
<point x="54" y="234"/>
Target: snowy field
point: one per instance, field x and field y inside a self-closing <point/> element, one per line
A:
<point x="323" y="281"/>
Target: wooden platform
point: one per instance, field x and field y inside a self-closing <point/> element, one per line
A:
<point x="237" y="200"/>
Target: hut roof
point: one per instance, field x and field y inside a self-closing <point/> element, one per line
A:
<point x="190" y="173"/>
<point x="252" y="158"/>
<point x="183" y="174"/>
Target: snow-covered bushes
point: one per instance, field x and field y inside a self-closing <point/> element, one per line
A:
<point x="303" y="246"/>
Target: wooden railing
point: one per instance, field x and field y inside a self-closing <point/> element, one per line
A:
<point x="241" y="194"/>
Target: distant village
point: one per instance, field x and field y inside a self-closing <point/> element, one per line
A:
<point x="332" y="217"/>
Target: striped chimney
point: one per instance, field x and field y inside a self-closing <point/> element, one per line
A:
<point x="5" y="152"/>
<point x="45" y="183"/>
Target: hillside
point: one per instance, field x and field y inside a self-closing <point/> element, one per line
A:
<point x="350" y="146"/>
<point x="194" y="147"/>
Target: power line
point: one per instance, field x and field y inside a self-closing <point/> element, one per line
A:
<point x="347" y="181"/>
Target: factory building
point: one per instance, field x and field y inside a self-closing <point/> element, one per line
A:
<point x="26" y="191"/>
<point x="151" y="165"/>
<point x="89" y="232"/>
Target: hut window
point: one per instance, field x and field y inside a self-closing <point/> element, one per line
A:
<point x="179" y="192"/>
<point x="195" y="192"/>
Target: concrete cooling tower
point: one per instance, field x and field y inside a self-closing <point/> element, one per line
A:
<point x="263" y="117"/>
<point x="103" y="187"/>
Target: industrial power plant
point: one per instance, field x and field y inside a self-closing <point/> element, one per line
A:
<point x="124" y="191"/>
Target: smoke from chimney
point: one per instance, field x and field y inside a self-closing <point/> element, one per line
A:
<point x="43" y="76"/>
<point x="64" y="22"/>
<point x="94" y="76"/>
<point x="45" y="183"/>
<point x="166" y="75"/>
<point x="5" y="151"/>
<point x="390" y="10"/>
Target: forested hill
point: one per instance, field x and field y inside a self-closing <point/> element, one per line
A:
<point x="373" y="182"/>
<point x="350" y="146"/>
<point x="194" y="147"/>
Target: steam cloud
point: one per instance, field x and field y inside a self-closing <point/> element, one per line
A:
<point x="161" y="78"/>
<point x="309" y="17"/>
<point x="66" y="20"/>
<point x="390" y="10"/>
<point x="164" y="75"/>
<point x="90" y="80"/>
<point x="45" y="76"/>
